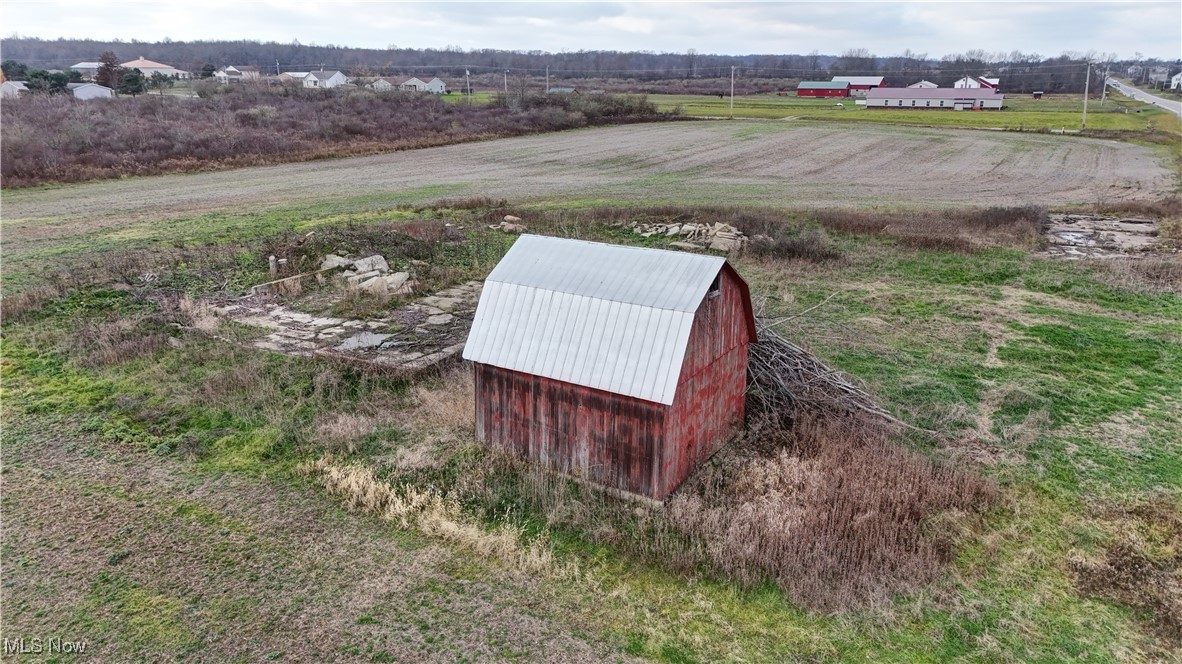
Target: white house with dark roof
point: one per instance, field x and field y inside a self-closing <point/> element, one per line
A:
<point x="1176" y="81"/>
<point x="325" y="79"/>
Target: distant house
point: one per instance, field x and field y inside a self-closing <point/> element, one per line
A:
<point x="90" y="91"/>
<point x="435" y="85"/>
<point x="236" y="74"/>
<point x="1176" y="81"/>
<point x="12" y="89"/>
<point x="325" y="79"/>
<point x="148" y="68"/>
<point x="87" y="69"/>
<point x="383" y="84"/>
<point x="923" y="84"/>
<point x="860" y="84"/>
<point x="1159" y="75"/>
<point x="951" y="99"/>
<point x="293" y="76"/>
<point x="1134" y="71"/>
<point x="562" y="91"/>
<point x="823" y="89"/>
<point x="977" y="82"/>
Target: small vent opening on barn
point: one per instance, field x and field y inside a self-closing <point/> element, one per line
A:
<point x="715" y="286"/>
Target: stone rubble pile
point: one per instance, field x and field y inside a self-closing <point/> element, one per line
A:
<point x="510" y="224"/>
<point x="370" y="275"/>
<point x="695" y="237"/>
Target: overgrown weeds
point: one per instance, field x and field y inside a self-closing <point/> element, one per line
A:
<point x="53" y="138"/>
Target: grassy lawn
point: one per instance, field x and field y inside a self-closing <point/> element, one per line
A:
<point x="1021" y="112"/>
<point x="180" y="455"/>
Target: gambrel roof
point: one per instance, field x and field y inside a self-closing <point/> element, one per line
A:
<point x="604" y="316"/>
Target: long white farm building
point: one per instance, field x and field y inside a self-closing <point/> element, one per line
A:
<point x="955" y="99"/>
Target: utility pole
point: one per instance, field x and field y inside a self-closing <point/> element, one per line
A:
<point x="1087" y="81"/>
<point x="547" y="79"/>
<point x="276" y="67"/>
<point x="732" y="92"/>
<point x="506" y="84"/>
<point x="1104" y="95"/>
<point x="468" y="84"/>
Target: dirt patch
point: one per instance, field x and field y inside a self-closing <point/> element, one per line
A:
<point x="779" y="164"/>
<point x="1077" y="236"/>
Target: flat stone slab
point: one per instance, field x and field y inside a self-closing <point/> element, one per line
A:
<point x="410" y="339"/>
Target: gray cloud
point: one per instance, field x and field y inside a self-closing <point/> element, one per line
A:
<point x="885" y="28"/>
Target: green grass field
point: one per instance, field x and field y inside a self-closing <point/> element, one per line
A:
<point x="152" y="503"/>
<point x="1053" y="112"/>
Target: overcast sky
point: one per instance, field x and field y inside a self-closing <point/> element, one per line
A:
<point x="885" y="28"/>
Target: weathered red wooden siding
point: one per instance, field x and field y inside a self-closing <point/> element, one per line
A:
<point x="708" y="405"/>
<point x="608" y="438"/>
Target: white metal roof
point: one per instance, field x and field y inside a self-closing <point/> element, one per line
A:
<point x="860" y="80"/>
<point x="598" y="315"/>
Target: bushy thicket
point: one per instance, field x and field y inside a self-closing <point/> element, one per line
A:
<point x="59" y="139"/>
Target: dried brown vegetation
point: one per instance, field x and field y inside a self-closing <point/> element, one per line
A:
<point x="834" y="510"/>
<point x="54" y="138"/>
<point x="962" y="230"/>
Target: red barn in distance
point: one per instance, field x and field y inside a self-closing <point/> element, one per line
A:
<point x="860" y="84"/>
<point x="823" y="89"/>
<point x="621" y="365"/>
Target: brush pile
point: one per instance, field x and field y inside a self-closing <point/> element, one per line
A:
<point x="785" y="381"/>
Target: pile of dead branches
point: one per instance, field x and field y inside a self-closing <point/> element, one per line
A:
<point x="785" y="381"/>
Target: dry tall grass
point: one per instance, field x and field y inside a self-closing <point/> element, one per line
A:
<point x="834" y="511"/>
<point x="430" y="512"/>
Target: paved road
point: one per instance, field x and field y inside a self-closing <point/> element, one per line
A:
<point x="1174" y="107"/>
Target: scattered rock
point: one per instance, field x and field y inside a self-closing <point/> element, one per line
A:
<point x="439" y="319"/>
<point x="511" y="219"/>
<point x="358" y="279"/>
<point x="375" y="286"/>
<point x="687" y="245"/>
<point x="332" y="260"/>
<point x="371" y="264"/>
<point x="396" y="280"/>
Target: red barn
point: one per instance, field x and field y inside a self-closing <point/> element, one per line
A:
<point x="823" y="89"/>
<point x="622" y="365"/>
<point x="860" y="84"/>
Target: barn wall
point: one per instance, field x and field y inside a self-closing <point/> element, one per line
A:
<point x="708" y="406"/>
<point x="607" y="438"/>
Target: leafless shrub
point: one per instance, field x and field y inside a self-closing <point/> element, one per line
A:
<point x="810" y="245"/>
<point x="1169" y="206"/>
<point x="52" y="138"/>
<point x="962" y="230"/>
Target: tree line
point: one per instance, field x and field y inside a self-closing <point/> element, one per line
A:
<point x="1020" y="72"/>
